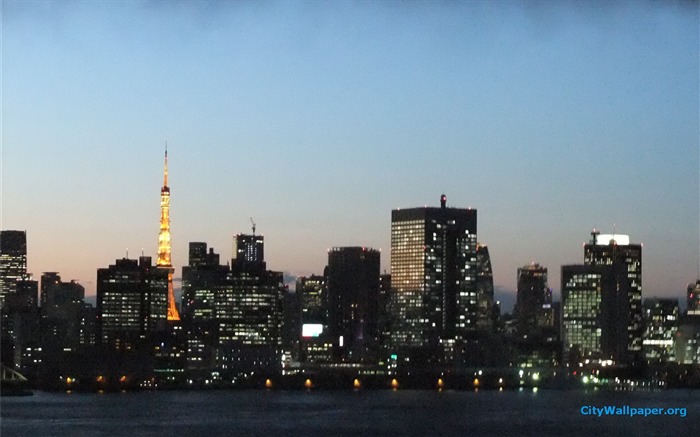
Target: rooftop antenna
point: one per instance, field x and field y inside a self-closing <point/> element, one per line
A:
<point x="251" y="220"/>
<point x="127" y="253"/>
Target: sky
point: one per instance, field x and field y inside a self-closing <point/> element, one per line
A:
<point x="317" y="119"/>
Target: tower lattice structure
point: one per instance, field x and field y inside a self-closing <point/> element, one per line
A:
<point x="164" y="246"/>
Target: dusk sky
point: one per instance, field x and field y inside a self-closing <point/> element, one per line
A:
<point x="319" y="118"/>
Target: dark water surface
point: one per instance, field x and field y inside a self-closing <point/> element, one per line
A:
<point x="367" y="412"/>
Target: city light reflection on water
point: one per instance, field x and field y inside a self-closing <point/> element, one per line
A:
<point x="351" y="412"/>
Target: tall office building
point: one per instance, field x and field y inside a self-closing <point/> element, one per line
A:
<point x="433" y="281"/>
<point x="249" y="317"/>
<point x="13" y="261"/>
<point x="233" y="316"/>
<point x="314" y="299"/>
<point x="583" y="289"/>
<point x="201" y="280"/>
<point x="661" y="320"/>
<point x="484" y="288"/>
<point x="533" y="309"/>
<point x="601" y="302"/>
<point x="353" y="302"/>
<point x="250" y="302"/>
<point x="132" y="301"/>
<point x="164" y="245"/>
<point x="62" y="307"/>
<point x="626" y="261"/>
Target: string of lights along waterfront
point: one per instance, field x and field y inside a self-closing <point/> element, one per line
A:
<point x="432" y="322"/>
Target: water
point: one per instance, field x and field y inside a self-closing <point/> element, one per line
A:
<point x="366" y="412"/>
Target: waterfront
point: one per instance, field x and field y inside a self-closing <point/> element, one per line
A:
<point x="364" y="412"/>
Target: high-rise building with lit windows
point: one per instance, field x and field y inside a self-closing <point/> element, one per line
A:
<point x="132" y="301"/>
<point x="313" y="294"/>
<point x="433" y="282"/>
<point x="232" y="315"/>
<point x="602" y="317"/>
<point x="583" y="290"/>
<point x="625" y="259"/>
<point x="661" y="320"/>
<point x="13" y="261"/>
<point x="249" y="248"/>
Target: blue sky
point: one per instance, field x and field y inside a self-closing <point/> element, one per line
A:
<point x="318" y="118"/>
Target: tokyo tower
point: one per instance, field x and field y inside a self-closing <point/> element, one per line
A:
<point x="164" y="248"/>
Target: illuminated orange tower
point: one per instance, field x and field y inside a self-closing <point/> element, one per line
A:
<point x="164" y="240"/>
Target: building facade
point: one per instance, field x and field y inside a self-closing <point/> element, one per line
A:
<point x="13" y="261"/>
<point x="661" y="320"/>
<point x="354" y="303"/>
<point x="533" y="309"/>
<point x="132" y="301"/>
<point x="625" y="259"/>
<point x="433" y="283"/>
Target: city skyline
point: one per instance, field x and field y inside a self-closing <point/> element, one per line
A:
<point x="317" y="121"/>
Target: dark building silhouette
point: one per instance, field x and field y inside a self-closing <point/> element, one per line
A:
<point x="434" y="303"/>
<point x="533" y="309"/>
<point x="201" y="280"/>
<point x="21" y="335"/>
<point x="132" y="301"/>
<point x="353" y="303"/>
<point x="62" y="312"/>
<point x="626" y="262"/>
<point x="232" y="315"/>
<point x="19" y="313"/>
<point x="694" y="298"/>
<point x="314" y="299"/>
<point x="484" y="289"/>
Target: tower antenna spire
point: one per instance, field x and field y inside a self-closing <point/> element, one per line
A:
<point x="251" y="220"/>
<point x="165" y="167"/>
<point x="164" y="244"/>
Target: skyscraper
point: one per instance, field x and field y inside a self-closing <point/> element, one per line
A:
<point x="62" y="306"/>
<point x="626" y="261"/>
<point x="583" y="289"/>
<point x="164" y="247"/>
<point x="661" y="320"/>
<point x="132" y="301"/>
<point x="313" y="293"/>
<point x="353" y="302"/>
<point x="233" y="316"/>
<point x="201" y="282"/>
<point x="601" y="302"/>
<point x="484" y="288"/>
<point x="13" y="261"/>
<point x="533" y="309"/>
<point x="433" y="281"/>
